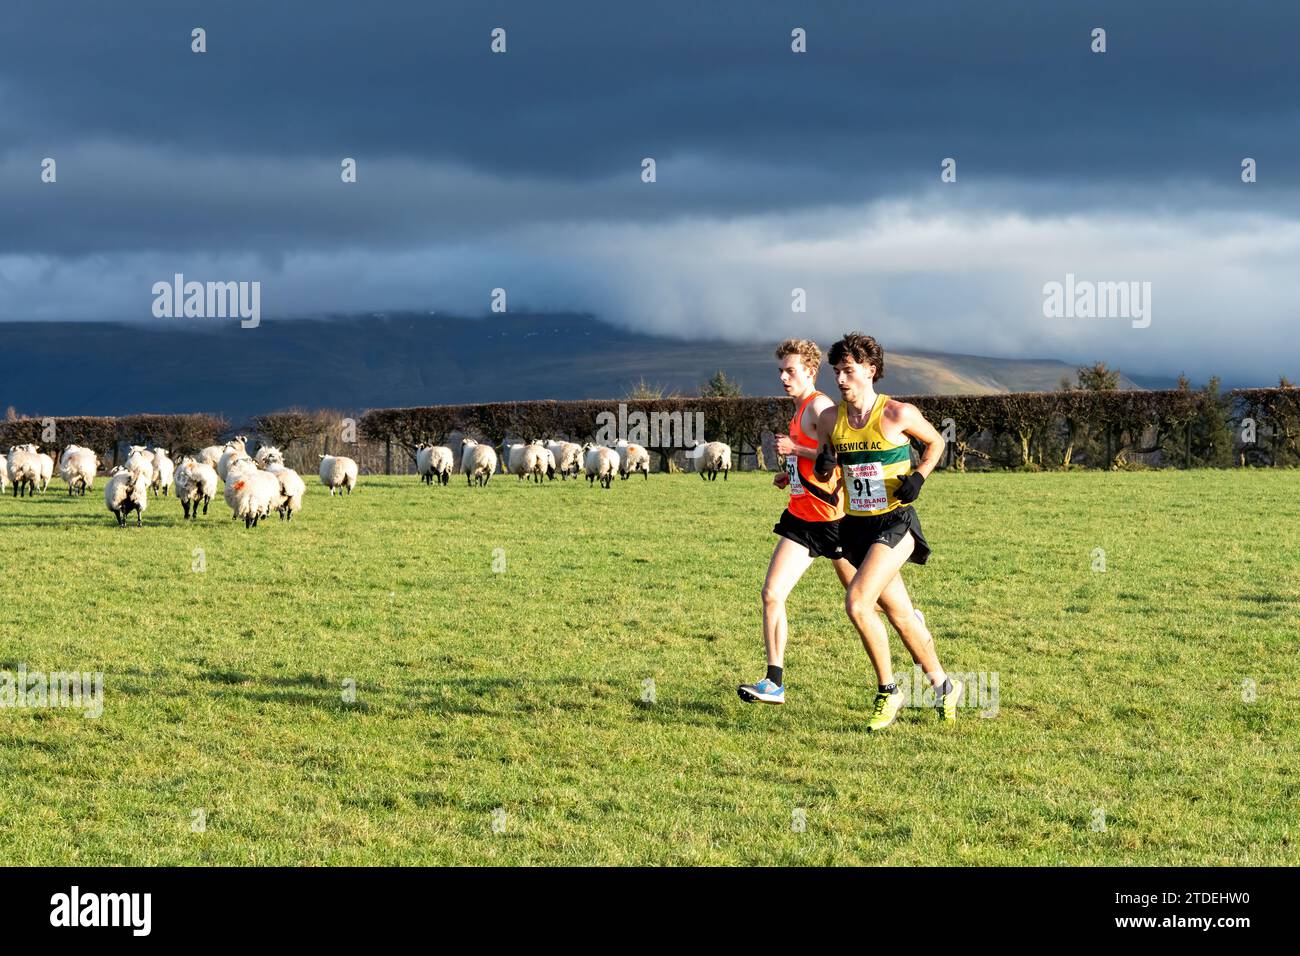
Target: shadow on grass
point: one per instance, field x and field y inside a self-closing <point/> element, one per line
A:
<point x="61" y="521"/>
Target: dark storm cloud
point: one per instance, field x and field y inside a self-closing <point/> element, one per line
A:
<point x="589" y="86"/>
<point x="775" y="170"/>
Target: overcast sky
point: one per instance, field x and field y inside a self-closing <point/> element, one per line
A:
<point x="775" y="170"/>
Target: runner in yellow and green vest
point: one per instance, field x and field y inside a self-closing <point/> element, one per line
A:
<point x="871" y="443"/>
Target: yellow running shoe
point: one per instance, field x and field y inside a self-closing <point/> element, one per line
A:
<point x="886" y="709"/>
<point x="946" y="704"/>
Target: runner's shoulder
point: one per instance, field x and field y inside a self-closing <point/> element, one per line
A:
<point x="896" y="411"/>
<point x="821" y="402"/>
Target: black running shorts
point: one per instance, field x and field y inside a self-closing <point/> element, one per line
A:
<point x="821" y="538"/>
<point x="859" y="532"/>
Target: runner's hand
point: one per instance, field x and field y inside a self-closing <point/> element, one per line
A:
<point x="910" y="487"/>
<point x="824" y="466"/>
<point x="784" y="446"/>
<point x="781" y="480"/>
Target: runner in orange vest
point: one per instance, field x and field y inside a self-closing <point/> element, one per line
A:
<point x="809" y="527"/>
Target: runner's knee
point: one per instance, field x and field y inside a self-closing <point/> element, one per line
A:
<point x="859" y="605"/>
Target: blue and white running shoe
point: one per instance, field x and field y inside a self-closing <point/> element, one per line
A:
<point x="764" y="692"/>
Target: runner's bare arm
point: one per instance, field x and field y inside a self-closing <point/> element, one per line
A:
<point x="915" y="426"/>
<point x="821" y="405"/>
<point x="785" y="446"/>
<point x="825" y="428"/>
<point x="788" y="447"/>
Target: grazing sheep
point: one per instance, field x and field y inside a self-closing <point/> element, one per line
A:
<point x="528" y="460"/>
<point x="512" y="453"/>
<point x="140" y="459"/>
<point x="601" y="463"/>
<point x="164" y="470"/>
<point x="478" y="462"/>
<point x="252" y="494"/>
<point x="338" y="472"/>
<point x="47" y="469"/>
<point x="548" y="463"/>
<point x="77" y="466"/>
<point x="24" y="469"/>
<point x="241" y="465"/>
<point x="631" y="459"/>
<point x="4" y="474"/>
<point x="127" y="490"/>
<point x="195" y="481"/>
<point x="434" y="463"/>
<point x="712" y="458"/>
<point x="568" y="458"/>
<point x="231" y="453"/>
<point x="210" y="456"/>
<point x="292" y="488"/>
<point x="267" y="456"/>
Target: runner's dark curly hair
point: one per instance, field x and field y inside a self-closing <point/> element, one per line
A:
<point x="862" y="349"/>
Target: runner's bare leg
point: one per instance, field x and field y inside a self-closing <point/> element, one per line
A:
<point x="789" y="562"/>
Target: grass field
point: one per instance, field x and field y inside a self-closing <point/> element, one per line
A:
<point x="1120" y="693"/>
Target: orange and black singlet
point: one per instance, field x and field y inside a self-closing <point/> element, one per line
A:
<point x="810" y="499"/>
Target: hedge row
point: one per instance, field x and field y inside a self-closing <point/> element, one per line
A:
<point x="108" y="435"/>
<point x="1257" y="426"/>
<point x="735" y="420"/>
<point x="1017" y="429"/>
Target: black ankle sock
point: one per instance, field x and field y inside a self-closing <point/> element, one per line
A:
<point x="774" y="674"/>
<point x="888" y="688"/>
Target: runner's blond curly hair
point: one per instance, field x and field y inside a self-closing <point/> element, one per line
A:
<point x="807" y="351"/>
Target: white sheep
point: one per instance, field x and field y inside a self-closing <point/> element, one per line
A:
<point x="232" y="452"/>
<point x="4" y="473"/>
<point x="434" y="463"/>
<point x="140" y="459"/>
<point x="77" y="466"/>
<point x="477" y="462"/>
<point x="195" y="481"/>
<point x="548" y="463"/>
<point x="240" y="465"/>
<point x="127" y="490"/>
<point x="632" y="458"/>
<point x="601" y="464"/>
<point x="292" y="488"/>
<point x="568" y="458"/>
<point x="267" y="456"/>
<point x="712" y="458"/>
<point x="24" y="469"/>
<point x="512" y="453"/>
<point x="210" y="456"/>
<point x="338" y="472"/>
<point x="528" y="461"/>
<point x="252" y="494"/>
<point x="47" y="469"/>
<point x="164" y="470"/>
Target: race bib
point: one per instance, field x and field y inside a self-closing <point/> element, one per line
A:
<point x="792" y="469"/>
<point x="866" y="486"/>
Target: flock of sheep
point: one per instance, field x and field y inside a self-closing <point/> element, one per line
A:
<point x="256" y="485"/>
<point x="537" y="459"/>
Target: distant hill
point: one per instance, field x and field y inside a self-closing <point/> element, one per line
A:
<point x="355" y="362"/>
